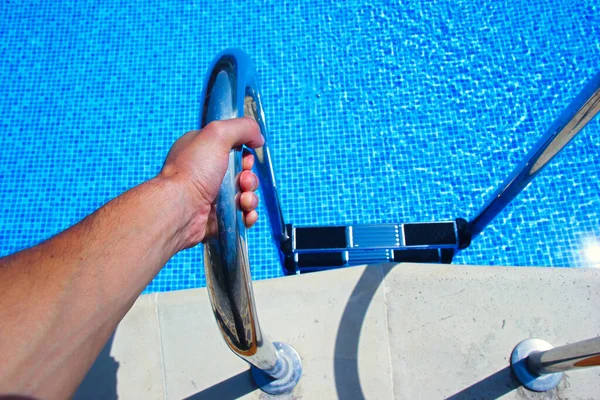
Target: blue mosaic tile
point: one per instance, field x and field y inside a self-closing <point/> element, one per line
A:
<point x="383" y="111"/>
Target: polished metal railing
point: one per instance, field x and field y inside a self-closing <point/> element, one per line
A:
<point x="540" y="367"/>
<point x="231" y="91"/>
<point x="582" y="110"/>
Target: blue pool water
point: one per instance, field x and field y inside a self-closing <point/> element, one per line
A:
<point x="378" y="112"/>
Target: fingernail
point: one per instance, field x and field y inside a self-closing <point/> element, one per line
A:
<point x="254" y="182"/>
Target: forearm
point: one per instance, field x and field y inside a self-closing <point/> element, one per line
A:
<point x="61" y="300"/>
<point x="104" y="262"/>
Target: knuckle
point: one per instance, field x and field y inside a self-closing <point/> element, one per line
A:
<point x="252" y="122"/>
<point x="216" y="129"/>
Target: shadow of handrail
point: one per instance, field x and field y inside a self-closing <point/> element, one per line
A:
<point x="492" y="387"/>
<point x="229" y="389"/>
<point x="346" y="374"/>
<point x="347" y="379"/>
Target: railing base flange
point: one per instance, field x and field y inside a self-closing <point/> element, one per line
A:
<point x="286" y="383"/>
<point x="518" y="361"/>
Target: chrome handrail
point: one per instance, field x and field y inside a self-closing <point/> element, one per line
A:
<point x="231" y="91"/>
<point x="582" y="110"/>
<point x="540" y="367"/>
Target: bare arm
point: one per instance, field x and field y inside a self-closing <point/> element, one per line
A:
<point x="61" y="300"/>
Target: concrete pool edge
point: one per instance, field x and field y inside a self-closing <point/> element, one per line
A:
<point x="378" y="331"/>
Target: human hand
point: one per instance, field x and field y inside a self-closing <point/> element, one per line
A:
<point x="197" y="163"/>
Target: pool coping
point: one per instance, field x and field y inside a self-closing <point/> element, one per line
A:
<point x="377" y="331"/>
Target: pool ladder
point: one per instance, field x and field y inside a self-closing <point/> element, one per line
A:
<point x="231" y="91"/>
<point x="306" y="249"/>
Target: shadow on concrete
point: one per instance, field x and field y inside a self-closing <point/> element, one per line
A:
<point x="345" y="364"/>
<point x="346" y="372"/>
<point x="100" y="383"/>
<point x="229" y="389"/>
<point x="494" y="386"/>
<point x="101" y="380"/>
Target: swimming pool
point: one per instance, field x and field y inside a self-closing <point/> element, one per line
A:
<point x="378" y="112"/>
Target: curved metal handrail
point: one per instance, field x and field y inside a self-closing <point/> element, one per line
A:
<point x="231" y="91"/>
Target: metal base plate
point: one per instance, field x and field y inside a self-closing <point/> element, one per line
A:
<point x="286" y="383"/>
<point x="518" y="361"/>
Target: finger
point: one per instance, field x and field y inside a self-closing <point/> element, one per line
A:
<point x="248" y="181"/>
<point x="247" y="160"/>
<point x="234" y="133"/>
<point x="250" y="218"/>
<point x="248" y="201"/>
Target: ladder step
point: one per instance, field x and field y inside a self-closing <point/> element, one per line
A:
<point x="310" y="262"/>
<point x="432" y="235"/>
<point x="314" y="248"/>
